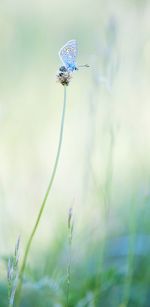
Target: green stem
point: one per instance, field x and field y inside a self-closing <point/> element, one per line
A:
<point x="68" y="274"/>
<point x="131" y="252"/>
<point x="43" y="203"/>
<point x="70" y="233"/>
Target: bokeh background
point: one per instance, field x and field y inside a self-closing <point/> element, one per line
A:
<point x="104" y="168"/>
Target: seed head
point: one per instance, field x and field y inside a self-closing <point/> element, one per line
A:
<point x="63" y="76"/>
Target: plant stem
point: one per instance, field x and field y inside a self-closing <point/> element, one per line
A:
<point x="68" y="274"/>
<point x="43" y="203"/>
<point x="131" y="251"/>
<point x="70" y="233"/>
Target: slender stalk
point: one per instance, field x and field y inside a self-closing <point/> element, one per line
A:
<point x="68" y="274"/>
<point x="43" y="203"/>
<point x="109" y="174"/>
<point x="131" y="252"/>
<point x="70" y="233"/>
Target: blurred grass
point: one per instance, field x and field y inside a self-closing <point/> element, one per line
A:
<point x="105" y="156"/>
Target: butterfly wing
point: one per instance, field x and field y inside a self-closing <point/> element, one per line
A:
<point x="68" y="54"/>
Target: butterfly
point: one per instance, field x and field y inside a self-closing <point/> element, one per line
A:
<point x="68" y="54"/>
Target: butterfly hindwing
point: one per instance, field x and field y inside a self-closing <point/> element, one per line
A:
<point x="68" y="54"/>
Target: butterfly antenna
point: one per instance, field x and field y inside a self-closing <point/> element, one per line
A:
<point x="85" y="65"/>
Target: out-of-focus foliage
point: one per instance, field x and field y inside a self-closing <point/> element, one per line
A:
<point x="104" y="170"/>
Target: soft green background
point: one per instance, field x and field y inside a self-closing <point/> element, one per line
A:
<point x="105" y="158"/>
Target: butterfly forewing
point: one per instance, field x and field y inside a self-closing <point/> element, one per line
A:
<point x="68" y="53"/>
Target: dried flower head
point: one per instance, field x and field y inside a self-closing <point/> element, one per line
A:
<point x="70" y="224"/>
<point x="64" y="76"/>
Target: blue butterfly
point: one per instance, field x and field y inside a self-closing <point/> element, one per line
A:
<point x="68" y="54"/>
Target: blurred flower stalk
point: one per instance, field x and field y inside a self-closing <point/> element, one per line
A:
<point x="105" y="69"/>
<point x="12" y="274"/>
<point x="70" y="233"/>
